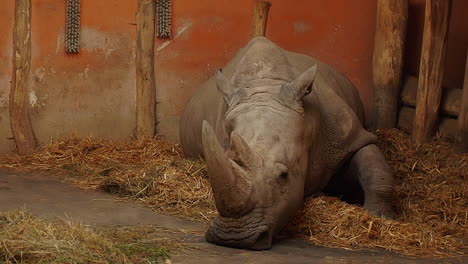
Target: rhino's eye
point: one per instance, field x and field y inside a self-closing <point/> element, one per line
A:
<point x="284" y="175"/>
<point x="228" y="128"/>
<point x="281" y="170"/>
<point x="229" y="125"/>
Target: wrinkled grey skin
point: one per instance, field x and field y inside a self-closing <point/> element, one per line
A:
<point x="276" y="126"/>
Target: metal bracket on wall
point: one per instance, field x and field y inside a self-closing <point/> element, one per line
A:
<point x="163" y="14"/>
<point x="72" y="35"/>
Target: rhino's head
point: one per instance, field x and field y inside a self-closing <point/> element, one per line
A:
<point x="258" y="179"/>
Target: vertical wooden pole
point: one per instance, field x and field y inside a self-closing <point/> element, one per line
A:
<point x="145" y="80"/>
<point x="260" y="19"/>
<point x="19" y="104"/>
<point x="431" y="70"/>
<point x="463" y="116"/>
<point x="390" y="34"/>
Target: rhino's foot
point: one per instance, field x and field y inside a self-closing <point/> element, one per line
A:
<point x="381" y="211"/>
<point x="370" y="168"/>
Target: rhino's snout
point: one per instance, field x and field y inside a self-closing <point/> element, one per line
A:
<point x="252" y="231"/>
<point x="257" y="240"/>
<point x="263" y="241"/>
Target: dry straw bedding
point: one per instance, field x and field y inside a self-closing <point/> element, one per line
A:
<point x="430" y="188"/>
<point x="25" y="238"/>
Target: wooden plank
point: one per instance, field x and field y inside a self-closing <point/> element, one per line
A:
<point x="463" y="116"/>
<point x="260" y="19"/>
<point x="389" y="45"/>
<point x="447" y="126"/>
<point x="431" y="72"/>
<point x="145" y="80"/>
<point x="451" y="98"/>
<point x="20" y="122"/>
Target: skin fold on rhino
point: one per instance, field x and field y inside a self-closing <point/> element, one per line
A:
<point x="276" y="126"/>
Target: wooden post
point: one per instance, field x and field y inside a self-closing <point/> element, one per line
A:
<point x="431" y="71"/>
<point x="260" y="19"/>
<point x="463" y="116"/>
<point x="19" y="104"/>
<point x="389" y="45"/>
<point x="447" y="127"/>
<point x="451" y="98"/>
<point x="145" y="80"/>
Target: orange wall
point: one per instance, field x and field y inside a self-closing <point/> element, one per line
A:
<point x="90" y="93"/>
<point x="93" y="92"/>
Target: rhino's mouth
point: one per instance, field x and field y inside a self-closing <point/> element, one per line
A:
<point x="252" y="231"/>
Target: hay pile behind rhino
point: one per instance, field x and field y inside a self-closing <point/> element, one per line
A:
<point x="431" y="189"/>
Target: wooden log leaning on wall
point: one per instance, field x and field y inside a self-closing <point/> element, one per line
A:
<point x="450" y="108"/>
<point x="145" y="79"/>
<point x="431" y="73"/>
<point x="447" y="127"/>
<point x="21" y="127"/>
<point x="451" y="98"/>
<point x="462" y="137"/>
<point x="260" y="19"/>
<point x="389" y="45"/>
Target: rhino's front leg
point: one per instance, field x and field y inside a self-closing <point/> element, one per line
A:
<point x="370" y="168"/>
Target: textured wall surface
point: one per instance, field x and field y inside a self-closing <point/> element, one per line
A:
<point x="93" y="92"/>
<point x="7" y="16"/>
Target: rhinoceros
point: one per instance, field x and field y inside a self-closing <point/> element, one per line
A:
<point x="274" y="127"/>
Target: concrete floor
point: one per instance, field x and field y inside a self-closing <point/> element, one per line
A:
<point x="48" y="197"/>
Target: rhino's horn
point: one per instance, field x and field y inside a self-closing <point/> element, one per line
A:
<point x="241" y="153"/>
<point x="231" y="186"/>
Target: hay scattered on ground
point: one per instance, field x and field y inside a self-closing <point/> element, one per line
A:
<point x="431" y="182"/>
<point x="329" y="222"/>
<point x="432" y="204"/>
<point x="431" y="190"/>
<point x="150" y="171"/>
<point x="25" y="238"/>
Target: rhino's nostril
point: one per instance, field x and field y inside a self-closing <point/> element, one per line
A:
<point x="263" y="241"/>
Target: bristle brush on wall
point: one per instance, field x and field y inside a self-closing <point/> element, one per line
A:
<point x="72" y="35"/>
<point x="163" y="14"/>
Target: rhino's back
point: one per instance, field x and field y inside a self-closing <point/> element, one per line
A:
<point x="329" y="79"/>
<point x="262" y="59"/>
<point x="208" y="104"/>
<point x="335" y="109"/>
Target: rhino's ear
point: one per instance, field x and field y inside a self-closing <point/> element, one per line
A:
<point x="302" y="85"/>
<point x="224" y="85"/>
